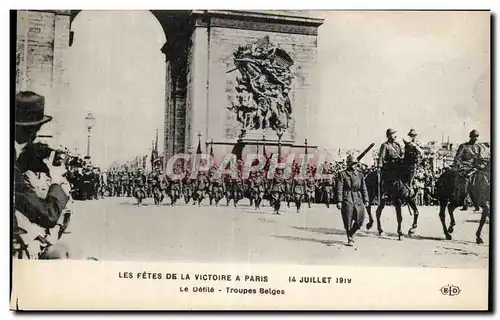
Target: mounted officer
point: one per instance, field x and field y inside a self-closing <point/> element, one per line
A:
<point x="390" y="158"/>
<point x="467" y="159"/>
<point x="414" y="155"/>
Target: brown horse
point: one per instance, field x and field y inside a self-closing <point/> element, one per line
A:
<point x="453" y="186"/>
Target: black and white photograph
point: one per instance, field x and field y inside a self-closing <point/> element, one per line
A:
<point x="283" y="137"/>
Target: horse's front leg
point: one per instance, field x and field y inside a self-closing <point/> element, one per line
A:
<point x="442" y="217"/>
<point x="451" y="210"/>
<point x="399" y="217"/>
<point x="413" y="207"/>
<point x="369" y="225"/>
<point x="379" y="214"/>
<point x="484" y="214"/>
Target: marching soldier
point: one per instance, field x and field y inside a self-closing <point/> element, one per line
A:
<point x="351" y="198"/>
<point x="299" y="191"/>
<point x="158" y="186"/>
<point x="96" y="183"/>
<point x="110" y="183"/>
<point x="216" y="188"/>
<point x="131" y="183"/>
<point x="310" y="190"/>
<point x="124" y="183"/>
<point x="118" y="183"/>
<point x="229" y="185"/>
<point x="278" y="189"/>
<point x="87" y="183"/>
<point x="175" y="188"/>
<point x="327" y="185"/>
<point x="257" y="189"/>
<point x="188" y="187"/>
<point x="202" y="184"/>
<point x="289" y="195"/>
<point x="139" y="191"/>
<point x="238" y="190"/>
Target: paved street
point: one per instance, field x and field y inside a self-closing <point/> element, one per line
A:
<point x="116" y="229"/>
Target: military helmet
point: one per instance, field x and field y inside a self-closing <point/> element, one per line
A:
<point x="351" y="159"/>
<point x="390" y="131"/>
<point x="412" y="133"/>
<point x="474" y="134"/>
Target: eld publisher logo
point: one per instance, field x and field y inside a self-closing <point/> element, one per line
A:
<point x="450" y="290"/>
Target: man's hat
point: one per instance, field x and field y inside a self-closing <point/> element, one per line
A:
<point x="474" y="134"/>
<point x="29" y="109"/>
<point x="412" y="133"/>
<point x="390" y="131"/>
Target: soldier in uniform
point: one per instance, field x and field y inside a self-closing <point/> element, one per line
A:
<point x="327" y="185"/>
<point x="175" y="188"/>
<point x="124" y="183"/>
<point x="257" y="189"/>
<point x="390" y="158"/>
<point x="87" y="182"/>
<point x="158" y="186"/>
<point x="352" y="198"/>
<point x="216" y="188"/>
<point x="298" y="189"/>
<point x="131" y="183"/>
<point x="238" y="190"/>
<point x="229" y="185"/>
<point x="414" y="154"/>
<point x="464" y="163"/>
<point x="310" y="190"/>
<point x="277" y="189"/>
<point x="202" y="185"/>
<point x="96" y="183"/>
<point x="117" y="182"/>
<point x="188" y="186"/>
<point x="110" y="183"/>
<point x="289" y="195"/>
<point x="140" y="181"/>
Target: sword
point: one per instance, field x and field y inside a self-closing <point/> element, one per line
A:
<point x="378" y="186"/>
<point x="365" y="152"/>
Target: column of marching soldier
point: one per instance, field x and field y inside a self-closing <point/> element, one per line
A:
<point x="211" y="188"/>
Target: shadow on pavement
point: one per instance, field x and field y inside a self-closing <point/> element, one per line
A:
<point x="477" y="221"/>
<point x="363" y="233"/>
<point x="442" y="239"/>
<point x="325" y="242"/>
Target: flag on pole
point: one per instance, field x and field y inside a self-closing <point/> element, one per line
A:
<point x="154" y="153"/>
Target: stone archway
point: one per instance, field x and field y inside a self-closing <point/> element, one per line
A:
<point x="198" y="52"/>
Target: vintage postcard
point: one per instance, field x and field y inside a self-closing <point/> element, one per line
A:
<point x="251" y="160"/>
